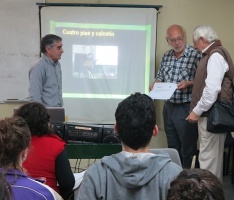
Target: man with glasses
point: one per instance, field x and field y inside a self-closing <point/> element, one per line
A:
<point x="178" y="65"/>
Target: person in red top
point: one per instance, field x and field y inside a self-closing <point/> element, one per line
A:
<point x="47" y="158"/>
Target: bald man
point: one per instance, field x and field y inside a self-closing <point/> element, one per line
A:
<point x="178" y="65"/>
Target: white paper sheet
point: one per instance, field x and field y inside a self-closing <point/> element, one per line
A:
<point x="163" y="91"/>
<point x="78" y="179"/>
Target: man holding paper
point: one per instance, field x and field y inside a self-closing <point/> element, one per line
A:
<point x="178" y="66"/>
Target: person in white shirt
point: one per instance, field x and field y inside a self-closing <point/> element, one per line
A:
<point x="212" y="81"/>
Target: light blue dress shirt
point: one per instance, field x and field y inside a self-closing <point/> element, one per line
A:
<point x="45" y="82"/>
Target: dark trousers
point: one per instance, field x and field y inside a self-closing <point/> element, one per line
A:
<point x="181" y="135"/>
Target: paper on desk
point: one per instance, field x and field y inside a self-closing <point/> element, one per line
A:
<point x="78" y="179"/>
<point x="163" y="90"/>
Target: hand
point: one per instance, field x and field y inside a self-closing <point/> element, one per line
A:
<point x="193" y="118"/>
<point x="151" y="86"/>
<point x="182" y="85"/>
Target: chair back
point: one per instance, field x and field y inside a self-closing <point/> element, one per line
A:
<point x="173" y="153"/>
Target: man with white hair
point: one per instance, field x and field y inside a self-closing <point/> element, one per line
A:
<point x="212" y="81"/>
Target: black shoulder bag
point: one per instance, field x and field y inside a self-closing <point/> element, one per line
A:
<point x="221" y="115"/>
<point x="221" y="118"/>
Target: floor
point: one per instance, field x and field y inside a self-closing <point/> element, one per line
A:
<point x="228" y="187"/>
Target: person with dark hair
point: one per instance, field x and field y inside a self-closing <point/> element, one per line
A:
<point x="133" y="173"/>
<point x="196" y="184"/>
<point x="178" y="66"/>
<point x="5" y="189"/>
<point x="15" y="139"/>
<point x="45" y="76"/>
<point x="47" y="158"/>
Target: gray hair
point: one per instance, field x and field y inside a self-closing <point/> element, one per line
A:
<point x="48" y="41"/>
<point x="206" y="32"/>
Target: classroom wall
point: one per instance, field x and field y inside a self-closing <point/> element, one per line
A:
<point x="188" y="13"/>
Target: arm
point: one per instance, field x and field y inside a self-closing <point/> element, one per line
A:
<point x="35" y="83"/>
<point x="216" y="68"/>
<point x="63" y="172"/>
<point x="92" y="181"/>
<point x="184" y="84"/>
<point x="167" y="175"/>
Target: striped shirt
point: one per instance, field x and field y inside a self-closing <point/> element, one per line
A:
<point x="175" y="70"/>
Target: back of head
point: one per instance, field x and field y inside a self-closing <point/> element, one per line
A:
<point x="206" y="32"/>
<point x="36" y="116"/>
<point x="135" y="120"/>
<point x="196" y="184"/>
<point x="14" y="138"/>
<point x="48" y="41"/>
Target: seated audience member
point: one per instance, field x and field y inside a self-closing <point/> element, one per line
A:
<point x="47" y="158"/>
<point x="14" y="145"/>
<point x="4" y="188"/>
<point x="133" y="173"/>
<point x="196" y="184"/>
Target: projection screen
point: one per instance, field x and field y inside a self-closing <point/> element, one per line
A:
<point x="109" y="53"/>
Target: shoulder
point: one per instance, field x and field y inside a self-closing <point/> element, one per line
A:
<point x="97" y="169"/>
<point x="54" y="139"/>
<point x="192" y="52"/>
<point x="32" y="189"/>
<point x="219" y="50"/>
<point x="168" y="53"/>
<point x="170" y="171"/>
<point x="168" y="167"/>
<point x="176" y="168"/>
<point x="93" y="176"/>
<point x="49" y="139"/>
<point x="39" y="65"/>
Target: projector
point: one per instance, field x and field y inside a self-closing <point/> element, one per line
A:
<point x="89" y="133"/>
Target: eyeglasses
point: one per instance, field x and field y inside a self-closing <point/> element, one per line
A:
<point x="174" y="40"/>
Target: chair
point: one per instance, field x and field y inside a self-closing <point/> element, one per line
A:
<point x="173" y="153"/>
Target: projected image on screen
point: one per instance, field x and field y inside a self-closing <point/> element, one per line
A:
<point x="100" y="57"/>
<point x="109" y="53"/>
<point x="95" y="62"/>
